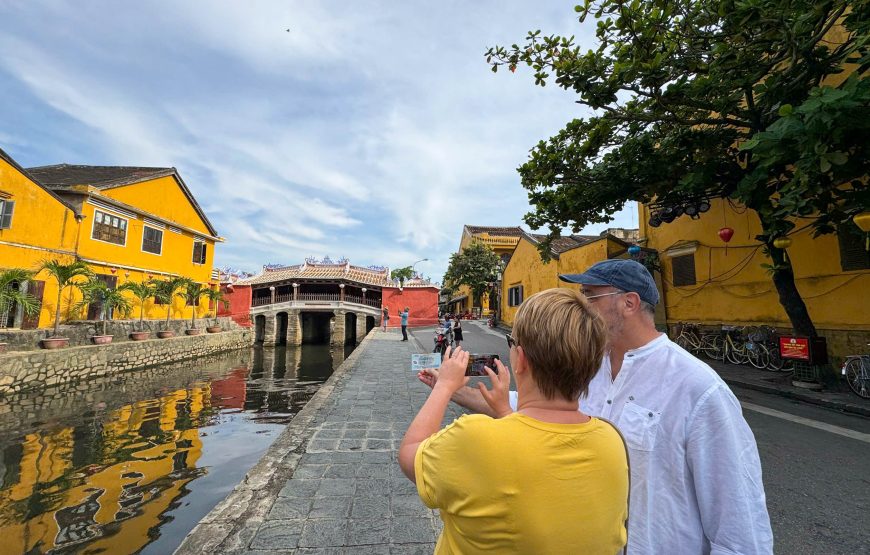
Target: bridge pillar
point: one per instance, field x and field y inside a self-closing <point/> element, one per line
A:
<point x="294" y="327"/>
<point x="360" y="327"/>
<point x="271" y="330"/>
<point x="337" y="339"/>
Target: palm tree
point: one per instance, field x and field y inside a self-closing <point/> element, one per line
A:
<point x="142" y="291"/>
<point x="10" y="296"/>
<point x="193" y="292"/>
<point x="73" y="274"/>
<point x="216" y="296"/>
<point x="111" y="300"/>
<point x="166" y="291"/>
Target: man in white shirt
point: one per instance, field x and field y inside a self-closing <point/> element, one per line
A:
<point x="696" y="482"/>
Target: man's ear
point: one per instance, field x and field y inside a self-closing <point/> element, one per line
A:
<point x="632" y="301"/>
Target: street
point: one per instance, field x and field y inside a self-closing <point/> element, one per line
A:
<point x="816" y="462"/>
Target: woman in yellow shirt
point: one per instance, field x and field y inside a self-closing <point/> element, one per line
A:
<point x="547" y="479"/>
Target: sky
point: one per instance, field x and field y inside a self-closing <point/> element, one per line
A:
<point x="367" y="130"/>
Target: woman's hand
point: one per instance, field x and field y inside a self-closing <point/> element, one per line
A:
<point x="451" y="375"/>
<point x="498" y="397"/>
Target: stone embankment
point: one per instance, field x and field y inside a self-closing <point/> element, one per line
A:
<point x="29" y="370"/>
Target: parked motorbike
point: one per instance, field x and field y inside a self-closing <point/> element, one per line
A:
<point x="491" y="322"/>
<point x="442" y="341"/>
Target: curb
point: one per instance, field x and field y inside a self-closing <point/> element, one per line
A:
<point x="800" y="396"/>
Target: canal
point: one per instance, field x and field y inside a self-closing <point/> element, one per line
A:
<point x="130" y="463"/>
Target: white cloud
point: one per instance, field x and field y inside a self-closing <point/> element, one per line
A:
<point x="373" y="131"/>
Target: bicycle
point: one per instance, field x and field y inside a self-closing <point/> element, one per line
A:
<point x="693" y="340"/>
<point x="856" y="369"/>
<point x="733" y="346"/>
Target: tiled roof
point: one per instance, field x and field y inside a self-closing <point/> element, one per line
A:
<point x="8" y="159"/>
<point x="65" y="176"/>
<point x="564" y="243"/>
<point x="343" y="272"/>
<point x="498" y="231"/>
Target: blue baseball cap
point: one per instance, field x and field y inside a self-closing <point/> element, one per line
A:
<point x="627" y="275"/>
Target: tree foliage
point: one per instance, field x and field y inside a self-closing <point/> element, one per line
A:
<point x="10" y="295"/>
<point x="402" y="274"/>
<point x="141" y="291"/>
<point x="475" y="266"/>
<point x="707" y="98"/>
<point x="74" y="274"/>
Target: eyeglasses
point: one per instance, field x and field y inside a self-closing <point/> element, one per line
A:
<point x="590" y="297"/>
<point x="510" y="340"/>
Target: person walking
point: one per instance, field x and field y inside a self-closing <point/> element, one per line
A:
<point x="404" y="314"/>
<point x="696" y="483"/>
<point x="385" y="319"/>
<point x="546" y="479"/>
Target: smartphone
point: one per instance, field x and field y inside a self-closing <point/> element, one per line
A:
<point x="477" y="362"/>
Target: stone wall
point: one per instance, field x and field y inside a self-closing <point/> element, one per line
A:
<point x="22" y="371"/>
<point x="80" y="332"/>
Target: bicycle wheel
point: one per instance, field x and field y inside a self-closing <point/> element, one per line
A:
<point x="757" y="355"/>
<point x="735" y="353"/>
<point x="775" y="361"/>
<point x="711" y="345"/>
<point x="858" y="377"/>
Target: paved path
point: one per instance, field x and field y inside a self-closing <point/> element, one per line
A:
<point x="331" y="483"/>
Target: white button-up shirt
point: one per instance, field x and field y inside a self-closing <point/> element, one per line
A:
<point x="695" y="472"/>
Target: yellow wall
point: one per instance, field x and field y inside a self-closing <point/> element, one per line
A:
<point x="733" y="287"/>
<point x="43" y="228"/>
<point x="526" y="268"/>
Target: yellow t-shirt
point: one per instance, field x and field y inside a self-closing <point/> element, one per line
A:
<point x="519" y="485"/>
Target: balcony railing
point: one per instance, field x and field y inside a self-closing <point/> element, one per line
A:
<point x="306" y="297"/>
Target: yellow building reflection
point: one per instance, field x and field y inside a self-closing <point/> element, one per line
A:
<point x="106" y="483"/>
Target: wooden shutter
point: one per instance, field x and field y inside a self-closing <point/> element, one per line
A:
<point x="6" y="208"/>
<point x="683" y="270"/>
<point x="35" y="288"/>
<point x="853" y="251"/>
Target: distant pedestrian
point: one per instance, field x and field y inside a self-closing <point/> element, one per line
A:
<point x="457" y="331"/>
<point x="404" y="316"/>
<point x="386" y="318"/>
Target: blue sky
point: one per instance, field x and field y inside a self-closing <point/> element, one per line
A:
<point x="370" y="130"/>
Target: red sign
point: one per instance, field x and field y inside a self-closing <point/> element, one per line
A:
<point x="794" y="347"/>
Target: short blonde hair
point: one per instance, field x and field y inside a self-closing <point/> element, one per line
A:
<point x="563" y="339"/>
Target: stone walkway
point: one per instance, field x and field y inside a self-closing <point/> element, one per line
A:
<point x="331" y="483"/>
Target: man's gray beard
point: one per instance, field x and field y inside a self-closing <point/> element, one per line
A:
<point x="615" y="326"/>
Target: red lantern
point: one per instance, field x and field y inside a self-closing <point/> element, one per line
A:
<point x="113" y="270"/>
<point x="726" y="233"/>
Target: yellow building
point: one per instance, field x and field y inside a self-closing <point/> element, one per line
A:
<point x="526" y="274"/>
<point x="126" y="223"/>
<point x="502" y="240"/>
<point x="708" y="283"/>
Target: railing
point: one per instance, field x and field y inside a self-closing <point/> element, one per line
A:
<point x="304" y="297"/>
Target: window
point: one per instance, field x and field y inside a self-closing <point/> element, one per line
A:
<point x="683" y="269"/>
<point x="853" y="248"/>
<point x="152" y="240"/>
<point x="6" y="207"/>
<point x="515" y="295"/>
<point x="109" y="228"/>
<point x="199" y="249"/>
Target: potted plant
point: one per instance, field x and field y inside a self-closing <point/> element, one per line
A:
<point x="165" y="292"/>
<point x="111" y="300"/>
<point x="141" y="291"/>
<point x="193" y="293"/>
<point x="215" y="296"/>
<point x="11" y="296"/>
<point x="73" y="274"/>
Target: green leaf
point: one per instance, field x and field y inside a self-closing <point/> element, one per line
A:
<point x="785" y="110"/>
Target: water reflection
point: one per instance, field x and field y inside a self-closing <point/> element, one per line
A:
<point x="107" y="466"/>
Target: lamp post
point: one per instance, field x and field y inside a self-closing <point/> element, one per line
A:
<point x="415" y="263"/>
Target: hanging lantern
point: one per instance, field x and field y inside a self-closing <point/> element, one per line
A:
<point x="726" y="233"/>
<point x="634" y="250"/>
<point x="782" y="243"/>
<point x="862" y="220"/>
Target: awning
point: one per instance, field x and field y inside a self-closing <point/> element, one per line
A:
<point x="457" y="299"/>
